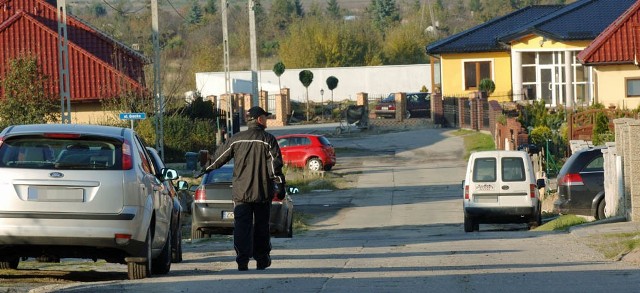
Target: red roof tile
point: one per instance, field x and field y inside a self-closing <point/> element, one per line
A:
<point x="619" y="43"/>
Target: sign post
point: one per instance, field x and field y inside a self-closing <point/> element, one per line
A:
<point x="133" y="116"/>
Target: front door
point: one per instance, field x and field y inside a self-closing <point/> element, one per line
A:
<point x="551" y="78"/>
<point x="547" y="94"/>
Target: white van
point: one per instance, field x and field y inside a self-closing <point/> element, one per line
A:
<point x="500" y="187"/>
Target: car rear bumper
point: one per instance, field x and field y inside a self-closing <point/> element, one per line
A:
<point x="501" y="214"/>
<point x="385" y="113"/>
<point x="565" y="206"/>
<point x="209" y="215"/>
<point x="71" y="235"/>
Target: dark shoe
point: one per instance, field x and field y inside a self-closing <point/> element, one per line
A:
<point x="243" y="267"/>
<point x="261" y="265"/>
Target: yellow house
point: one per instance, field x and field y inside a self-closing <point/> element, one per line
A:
<point x="614" y="57"/>
<point x="530" y="53"/>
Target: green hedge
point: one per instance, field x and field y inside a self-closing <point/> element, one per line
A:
<point x="181" y="135"/>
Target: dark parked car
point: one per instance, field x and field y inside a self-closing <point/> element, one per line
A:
<point x="418" y="105"/>
<point x="581" y="184"/>
<point x="212" y="211"/>
<point x="311" y="151"/>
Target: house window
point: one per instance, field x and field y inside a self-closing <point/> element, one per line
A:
<point x="633" y="87"/>
<point x="474" y="72"/>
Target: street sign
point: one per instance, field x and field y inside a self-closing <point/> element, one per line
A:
<point x="133" y="116"/>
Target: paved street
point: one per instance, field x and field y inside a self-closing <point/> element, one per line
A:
<point x="399" y="230"/>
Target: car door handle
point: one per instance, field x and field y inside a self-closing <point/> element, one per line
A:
<point x="505" y="187"/>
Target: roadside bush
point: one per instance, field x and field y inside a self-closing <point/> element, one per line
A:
<point x="539" y="135"/>
<point x="181" y="135"/>
<point x="601" y="132"/>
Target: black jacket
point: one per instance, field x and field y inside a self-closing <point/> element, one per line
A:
<point x="257" y="163"/>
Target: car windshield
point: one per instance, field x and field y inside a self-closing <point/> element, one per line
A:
<point x="389" y="99"/>
<point x="53" y="153"/>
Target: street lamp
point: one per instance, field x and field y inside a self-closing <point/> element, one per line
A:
<point x="322" y="102"/>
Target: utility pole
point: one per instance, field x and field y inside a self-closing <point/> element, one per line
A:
<point x="254" y="53"/>
<point x="157" y="84"/>
<point x="227" y="75"/>
<point x="63" y="63"/>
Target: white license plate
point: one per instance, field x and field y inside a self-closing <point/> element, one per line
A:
<point x="385" y="108"/>
<point x="486" y="199"/>
<point x="227" y="215"/>
<point x="55" y="194"/>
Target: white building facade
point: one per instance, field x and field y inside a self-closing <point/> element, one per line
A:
<point x="377" y="81"/>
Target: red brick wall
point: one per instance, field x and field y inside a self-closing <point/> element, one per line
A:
<point x="513" y="132"/>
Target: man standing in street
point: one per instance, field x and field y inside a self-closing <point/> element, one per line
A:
<point x="257" y="173"/>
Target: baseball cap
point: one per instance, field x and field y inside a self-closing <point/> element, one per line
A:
<point x="255" y="112"/>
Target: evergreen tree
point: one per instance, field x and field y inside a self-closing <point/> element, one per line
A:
<point x="333" y="9"/>
<point x="384" y="13"/>
<point x="282" y="14"/>
<point x="98" y="10"/>
<point x="299" y="8"/>
<point x="210" y="7"/>
<point x="195" y="13"/>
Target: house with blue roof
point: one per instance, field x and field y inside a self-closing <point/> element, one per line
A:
<point x="530" y="53"/>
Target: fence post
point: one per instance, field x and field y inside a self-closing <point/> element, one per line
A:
<point x="437" y="109"/>
<point x="473" y="109"/>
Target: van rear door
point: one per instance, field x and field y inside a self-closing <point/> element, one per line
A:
<point x="514" y="186"/>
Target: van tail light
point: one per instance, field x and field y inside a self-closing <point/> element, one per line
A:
<point x="466" y="192"/>
<point x="571" y="179"/>
<point x="127" y="161"/>
<point x="532" y="190"/>
<point x="201" y="194"/>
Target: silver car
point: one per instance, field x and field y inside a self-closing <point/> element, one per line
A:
<point x="212" y="210"/>
<point x="83" y="191"/>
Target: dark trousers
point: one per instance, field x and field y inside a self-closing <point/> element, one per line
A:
<point x="251" y="236"/>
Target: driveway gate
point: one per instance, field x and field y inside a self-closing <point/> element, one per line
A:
<point x="451" y="112"/>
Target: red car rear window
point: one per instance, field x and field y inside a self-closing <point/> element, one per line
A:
<point x="324" y="141"/>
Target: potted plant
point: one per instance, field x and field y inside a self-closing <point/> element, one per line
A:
<point x="486" y="87"/>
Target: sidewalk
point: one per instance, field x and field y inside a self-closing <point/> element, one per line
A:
<point x="606" y="226"/>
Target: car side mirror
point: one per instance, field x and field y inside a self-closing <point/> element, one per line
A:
<point x="169" y="174"/>
<point x="540" y="183"/>
<point x="183" y="185"/>
<point x="292" y="190"/>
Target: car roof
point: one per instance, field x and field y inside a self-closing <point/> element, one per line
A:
<point x="498" y="154"/>
<point x="64" y="128"/>
<point x="297" y="134"/>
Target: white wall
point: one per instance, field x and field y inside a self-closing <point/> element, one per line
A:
<point x="377" y="81"/>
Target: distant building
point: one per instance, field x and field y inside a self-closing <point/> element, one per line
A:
<point x="377" y="81"/>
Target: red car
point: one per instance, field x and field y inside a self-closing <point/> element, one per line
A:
<point x="311" y="151"/>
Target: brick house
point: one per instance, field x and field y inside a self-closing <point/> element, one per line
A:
<point x="100" y="67"/>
